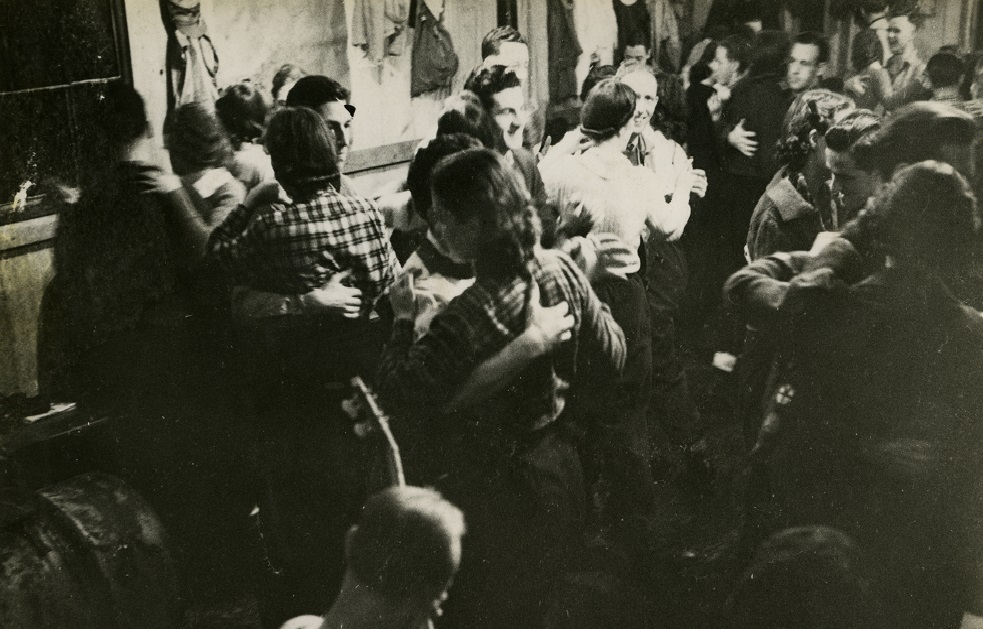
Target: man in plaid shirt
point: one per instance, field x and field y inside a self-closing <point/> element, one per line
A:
<point x="298" y="247"/>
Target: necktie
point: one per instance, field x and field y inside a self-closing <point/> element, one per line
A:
<point x="636" y="149"/>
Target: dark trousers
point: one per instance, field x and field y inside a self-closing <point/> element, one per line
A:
<point x="525" y="516"/>
<point x="670" y="403"/>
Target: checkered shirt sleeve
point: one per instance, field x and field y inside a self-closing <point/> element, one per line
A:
<point x="296" y="248"/>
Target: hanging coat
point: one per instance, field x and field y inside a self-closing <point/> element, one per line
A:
<point x="434" y="61"/>
<point x="666" y="48"/>
<point x="379" y="27"/>
<point x="564" y="49"/>
<point x="192" y="63"/>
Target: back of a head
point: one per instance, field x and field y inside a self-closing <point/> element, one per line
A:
<point x="407" y="544"/>
<point x="596" y="74"/>
<point x="490" y="81"/>
<point x="287" y="74"/>
<point x="424" y="162"/>
<point x="865" y="49"/>
<point x="814" y="110"/>
<point x="466" y="114"/>
<point x="316" y="90"/>
<point x="769" y="53"/>
<point x="195" y="139"/>
<point x="806" y="578"/>
<point x="852" y="128"/>
<point x="739" y="46"/>
<point x="478" y="184"/>
<point x="302" y="150"/>
<point x="242" y="111"/>
<point x="919" y="131"/>
<point x="609" y="107"/>
<point x="491" y="43"/>
<point x="945" y="69"/>
<point x="122" y="115"/>
<point x="927" y="217"/>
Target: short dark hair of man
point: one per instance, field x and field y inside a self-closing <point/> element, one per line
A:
<point x="769" y="53"/>
<point x="738" y="47"/>
<point x="492" y="43"/>
<point x="914" y="133"/>
<point x="122" y="115"/>
<point x="424" y="162"/>
<point x="853" y="127"/>
<point x="302" y="150"/>
<point x="808" y="578"/>
<point x="491" y="81"/>
<point x="865" y="49"/>
<point x="908" y="9"/>
<point x="945" y="69"/>
<point x="406" y="544"/>
<point x="315" y="90"/>
<point x="810" y="38"/>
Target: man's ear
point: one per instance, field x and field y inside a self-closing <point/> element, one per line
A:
<point x="821" y="69"/>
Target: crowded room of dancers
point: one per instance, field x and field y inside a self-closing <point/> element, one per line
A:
<point x="491" y="314"/>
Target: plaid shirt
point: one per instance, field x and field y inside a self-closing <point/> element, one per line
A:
<point x="296" y="248"/>
<point x="423" y="376"/>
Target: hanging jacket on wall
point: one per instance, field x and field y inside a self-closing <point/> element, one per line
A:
<point x="379" y="27"/>
<point x="564" y="49"/>
<point x="666" y="48"/>
<point x="192" y="62"/>
<point x="434" y="60"/>
<point x="634" y="25"/>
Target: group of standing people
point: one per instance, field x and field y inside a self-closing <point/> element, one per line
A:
<point x="516" y="306"/>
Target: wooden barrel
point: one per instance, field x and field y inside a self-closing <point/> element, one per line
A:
<point x="84" y="553"/>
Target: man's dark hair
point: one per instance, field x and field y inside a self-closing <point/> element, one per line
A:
<point x="738" y="49"/>
<point x="492" y="42"/>
<point x="807" y="578"/>
<point x="810" y="38"/>
<point x="478" y="183"/>
<point x="769" y="53"/>
<point x="857" y="124"/>
<point x="908" y="9"/>
<point x="424" y="162"/>
<point x="914" y="133"/>
<point x="491" y="81"/>
<point x="945" y="69"/>
<point x="405" y="543"/>
<point x="302" y="150"/>
<point x="122" y="115"/>
<point x="865" y="49"/>
<point x="316" y="90"/>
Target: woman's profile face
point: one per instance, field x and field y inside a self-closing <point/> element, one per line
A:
<point x="646" y="87"/>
